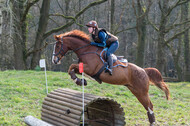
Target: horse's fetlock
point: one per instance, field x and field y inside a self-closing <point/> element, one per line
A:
<point x="85" y="82"/>
<point x="151" y="117"/>
<point x="78" y="81"/>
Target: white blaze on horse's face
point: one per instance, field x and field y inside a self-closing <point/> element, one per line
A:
<point x="55" y="58"/>
<point x="57" y="53"/>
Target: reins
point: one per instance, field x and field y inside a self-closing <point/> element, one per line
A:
<point x="74" y="50"/>
<point x="81" y="47"/>
<point x="90" y="53"/>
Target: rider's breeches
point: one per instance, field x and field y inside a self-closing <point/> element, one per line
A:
<point x="113" y="47"/>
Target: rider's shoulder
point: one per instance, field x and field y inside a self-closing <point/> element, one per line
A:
<point x="102" y="30"/>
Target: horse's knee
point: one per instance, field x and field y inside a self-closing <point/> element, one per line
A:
<point x="72" y="74"/>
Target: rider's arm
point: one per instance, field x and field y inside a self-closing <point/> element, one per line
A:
<point x="103" y="37"/>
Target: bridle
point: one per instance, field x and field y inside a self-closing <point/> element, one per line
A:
<point x="62" y="50"/>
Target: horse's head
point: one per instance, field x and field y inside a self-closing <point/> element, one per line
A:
<point x="60" y="49"/>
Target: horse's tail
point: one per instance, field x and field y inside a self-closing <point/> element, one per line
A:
<point x="156" y="78"/>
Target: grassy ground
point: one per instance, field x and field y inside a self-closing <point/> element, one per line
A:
<point x="22" y="93"/>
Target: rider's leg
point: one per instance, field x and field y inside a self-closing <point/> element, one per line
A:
<point x="113" y="47"/>
<point x="110" y="64"/>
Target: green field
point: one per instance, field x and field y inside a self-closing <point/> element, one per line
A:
<point x="22" y="94"/>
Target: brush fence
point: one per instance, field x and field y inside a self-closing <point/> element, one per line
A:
<point x="63" y="107"/>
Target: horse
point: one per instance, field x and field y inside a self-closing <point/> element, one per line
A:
<point x="135" y="78"/>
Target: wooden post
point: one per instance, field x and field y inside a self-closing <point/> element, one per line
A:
<point x="32" y="121"/>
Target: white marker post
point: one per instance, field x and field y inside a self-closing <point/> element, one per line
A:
<point x="81" y="71"/>
<point x="43" y="65"/>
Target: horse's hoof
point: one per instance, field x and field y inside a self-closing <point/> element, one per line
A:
<point x="85" y="82"/>
<point x="153" y="124"/>
<point x="78" y="82"/>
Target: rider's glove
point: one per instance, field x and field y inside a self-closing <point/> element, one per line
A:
<point x="94" y="43"/>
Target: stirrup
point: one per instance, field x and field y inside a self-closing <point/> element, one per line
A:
<point x="108" y="71"/>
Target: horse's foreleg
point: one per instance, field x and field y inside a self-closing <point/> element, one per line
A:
<point x="144" y="99"/>
<point x="74" y="68"/>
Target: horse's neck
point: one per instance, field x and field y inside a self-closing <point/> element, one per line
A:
<point x="76" y="44"/>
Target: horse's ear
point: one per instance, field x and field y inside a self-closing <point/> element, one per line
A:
<point x="56" y="37"/>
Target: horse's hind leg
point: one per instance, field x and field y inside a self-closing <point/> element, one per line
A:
<point x="143" y="97"/>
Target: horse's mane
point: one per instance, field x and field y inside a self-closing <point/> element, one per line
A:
<point x="77" y="34"/>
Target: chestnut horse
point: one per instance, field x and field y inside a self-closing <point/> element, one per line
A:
<point x="136" y="79"/>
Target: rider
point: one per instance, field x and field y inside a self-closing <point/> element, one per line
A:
<point x="102" y="38"/>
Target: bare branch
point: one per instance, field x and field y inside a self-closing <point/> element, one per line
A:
<point x="73" y="18"/>
<point x="147" y="10"/>
<point x="160" y="6"/>
<point x="178" y="3"/>
<point x="37" y="50"/>
<point x="28" y="6"/>
<point x="125" y="30"/>
<point x="67" y="17"/>
<point x="176" y="35"/>
<point x="175" y="25"/>
<point x="135" y="12"/>
<point x="153" y="25"/>
<point x="89" y="6"/>
<point x="121" y="16"/>
<point x="60" y="6"/>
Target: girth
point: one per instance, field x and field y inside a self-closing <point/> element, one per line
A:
<point x="97" y="75"/>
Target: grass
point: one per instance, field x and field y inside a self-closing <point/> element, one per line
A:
<point x="22" y="94"/>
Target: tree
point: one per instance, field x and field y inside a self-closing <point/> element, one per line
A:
<point x="68" y="24"/>
<point x="112" y="11"/>
<point x="184" y="17"/>
<point x="43" y="21"/>
<point x="19" y="11"/>
<point x="6" y="49"/>
<point x="1" y="22"/>
<point x="163" y="30"/>
<point x="141" y="13"/>
<point x="19" y="34"/>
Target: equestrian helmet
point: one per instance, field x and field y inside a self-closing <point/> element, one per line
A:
<point x="92" y="24"/>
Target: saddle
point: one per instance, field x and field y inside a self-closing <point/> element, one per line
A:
<point x="103" y="56"/>
<point x="122" y="62"/>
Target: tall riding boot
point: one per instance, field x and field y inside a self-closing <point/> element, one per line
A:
<point x="110" y="63"/>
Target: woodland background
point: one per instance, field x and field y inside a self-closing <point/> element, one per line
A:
<point x="152" y="33"/>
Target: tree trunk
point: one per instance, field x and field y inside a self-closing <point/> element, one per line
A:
<point x="112" y="15"/>
<point x="44" y="16"/>
<point x="176" y="57"/>
<point x="68" y="58"/>
<point x="19" y="36"/>
<point x="1" y="45"/>
<point x="82" y="17"/>
<point x="141" y="30"/>
<point x="184" y="13"/>
<point x="160" y="58"/>
<point x="1" y="22"/>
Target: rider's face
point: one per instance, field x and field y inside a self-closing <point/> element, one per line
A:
<point x="90" y="30"/>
